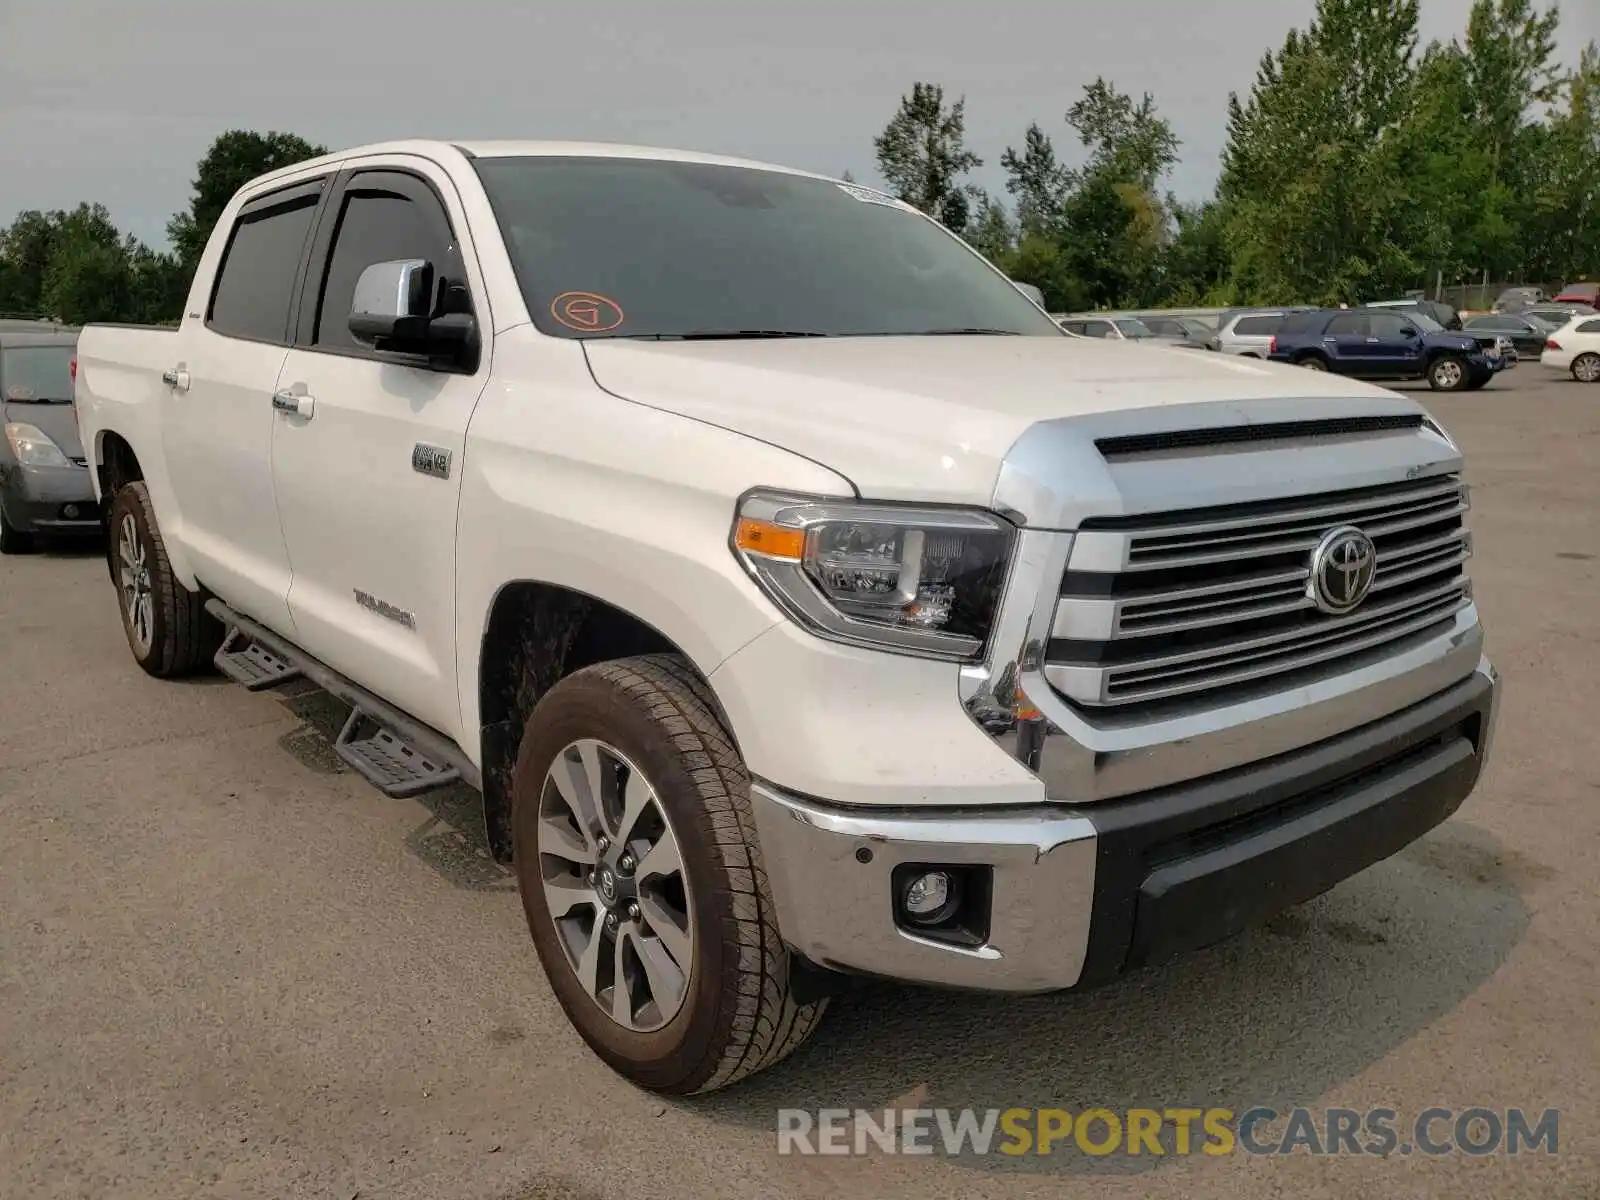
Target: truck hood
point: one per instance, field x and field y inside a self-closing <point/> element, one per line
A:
<point x="927" y="418"/>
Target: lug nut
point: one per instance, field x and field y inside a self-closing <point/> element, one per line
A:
<point x="603" y="843"/>
<point x="590" y="878"/>
<point x="626" y="863"/>
<point x="611" y="921"/>
<point x="634" y="912"/>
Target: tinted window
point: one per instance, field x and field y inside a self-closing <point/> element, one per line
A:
<point x="1387" y="325"/>
<point x="1348" y="325"/>
<point x="1588" y="327"/>
<point x="1306" y="322"/>
<point x="653" y="247"/>
<point x="1258" y="326"/>
<point x="1164" y="326"/>
<point x="374" y="226"/>
<point x="36" y="374"/>
<point x="1097" y="329"/>
<point x="256" y="281"/>
<point x="1495" y="324"/>
<point x="1073" y="327"/>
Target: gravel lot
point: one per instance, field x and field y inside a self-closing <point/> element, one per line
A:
<point x="228" y="968"/>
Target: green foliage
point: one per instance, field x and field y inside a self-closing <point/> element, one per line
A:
<point x="235" y="158"/>
<point x="1359" y="164"/>
<point x="922" y="154"/>
<point x="76" y="267"/>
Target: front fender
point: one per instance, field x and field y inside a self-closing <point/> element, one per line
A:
<point x="566" y="484"/>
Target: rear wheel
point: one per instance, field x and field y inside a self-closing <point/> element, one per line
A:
<point x="12" y="539"/>
<point x="642" y="882"/>
<point x="1586" y="368"/>
<point x="1313" y="362"/>
<point x="1447" y="373"/>
<point x="168" y="629"/>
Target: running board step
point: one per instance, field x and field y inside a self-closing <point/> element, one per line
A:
<point x="387" y="761"/>
<point x="251" y="664"/>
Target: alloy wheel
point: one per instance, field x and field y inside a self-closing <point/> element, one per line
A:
<point x="614" y="885"/>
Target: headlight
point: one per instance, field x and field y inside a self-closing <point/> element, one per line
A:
<point x="923" y="581"/>
<point x="33" y="447"/>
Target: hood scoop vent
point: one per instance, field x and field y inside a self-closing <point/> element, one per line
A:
<point x="1134" y="444"/>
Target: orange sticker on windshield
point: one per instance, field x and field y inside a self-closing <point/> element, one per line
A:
<point x="587" y="312"/>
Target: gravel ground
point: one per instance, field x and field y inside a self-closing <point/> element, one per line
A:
<point x="229" y="969"/>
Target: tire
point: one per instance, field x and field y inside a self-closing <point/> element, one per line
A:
<point x="13" y="540"/>
<point x="1586" y="368"/>
<point x="174" y="636"/>
<point x="1448" y="373"/>
<point x="735" y="1013"/>
<point x="1313" y="362"/>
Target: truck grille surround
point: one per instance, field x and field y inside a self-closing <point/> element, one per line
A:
<point x="1201" y="604"/>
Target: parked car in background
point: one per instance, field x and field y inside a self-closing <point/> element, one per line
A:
<point x="1127" y="329"/>
<point x="1558" y="315"/>
<point x="1579" y="293"/>
<point x="1188" y="329"/>
<point x="1436" y="310"/>
<point x="1368" y="343"/>
<point x="1248" y="334"/>
<point x="1575" y="347"/>
<point x="1527" y="333"/>
<point x="1517" y="298"/>
<point x="45" y="487"/>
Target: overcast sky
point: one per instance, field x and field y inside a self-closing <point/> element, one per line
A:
<point x="116" y="102"/>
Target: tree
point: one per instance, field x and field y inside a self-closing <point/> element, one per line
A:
<point x="25" y="250"/>
<point x="990" y="231"/>
<point x="1038" y="181"/>
<point x="1127" y="142"/>
<point x="88" y="277"/>
<point x="922" y="154"/>
<point x="1314" y="176"/>
<point x="235" y="158"/>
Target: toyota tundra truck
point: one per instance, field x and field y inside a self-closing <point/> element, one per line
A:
<point x="804" y="603"/>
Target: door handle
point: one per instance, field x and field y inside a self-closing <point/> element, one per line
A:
<point x="300" y="406"/>
<point x="177" y="377"/>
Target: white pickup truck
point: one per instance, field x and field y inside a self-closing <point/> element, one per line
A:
<point x="803" y="601"/>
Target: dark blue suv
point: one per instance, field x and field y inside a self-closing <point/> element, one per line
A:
<point x="1371" y="344"/>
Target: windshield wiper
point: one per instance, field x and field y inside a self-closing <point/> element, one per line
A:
<point x="37" y="400"/>
<point x="972" y="329"/>
<point x="706" y="335"/>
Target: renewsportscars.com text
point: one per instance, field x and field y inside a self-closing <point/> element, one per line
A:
<point x="959" y="1132"/>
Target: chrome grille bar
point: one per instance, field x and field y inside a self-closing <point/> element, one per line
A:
<point x="1199" y="601"/>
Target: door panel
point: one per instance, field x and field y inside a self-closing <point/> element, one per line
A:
<point x="217" y="430"/>
<point x="371" y="523"/>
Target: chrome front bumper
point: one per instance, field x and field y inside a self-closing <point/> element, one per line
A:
<point x="1080" y="893"/>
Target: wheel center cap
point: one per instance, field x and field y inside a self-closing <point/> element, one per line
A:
<point x="606" y="885"/>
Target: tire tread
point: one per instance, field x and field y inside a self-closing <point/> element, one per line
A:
<point x="766" y="1024"/>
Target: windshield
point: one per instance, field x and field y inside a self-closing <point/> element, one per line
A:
<point x="618" y="247"/>
<point x="37" y="374"/>
<point x="1133" y="328"/>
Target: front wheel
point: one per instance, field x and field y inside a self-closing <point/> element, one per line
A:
<point x="642" y="881"/>
<point x="1447" y="374"/>
<point x="12" y="539"/>
<point x="168" y="629"/>
<point x="1586" y="368"/>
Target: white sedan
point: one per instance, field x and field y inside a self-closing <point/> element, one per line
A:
<point x="1575" y="347"/>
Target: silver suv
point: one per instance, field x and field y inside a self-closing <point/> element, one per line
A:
<point x="1249" y="333"/>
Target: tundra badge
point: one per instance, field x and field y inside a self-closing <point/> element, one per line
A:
<point x="430" y="460"/>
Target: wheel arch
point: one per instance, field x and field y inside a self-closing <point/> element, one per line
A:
<point x="537" y="634"/>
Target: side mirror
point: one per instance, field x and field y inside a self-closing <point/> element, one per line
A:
<point x="1410" y="331"/>
<point x="1031" y="292"/>
<point x="392" y="309"/>
<point x="392" y="300"/>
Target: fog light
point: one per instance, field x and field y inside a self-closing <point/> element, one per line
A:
<point x="70" y="512"/>
<point x="929" y="898"/>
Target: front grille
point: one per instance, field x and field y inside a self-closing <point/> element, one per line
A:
<point x="1176" y="604"/>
